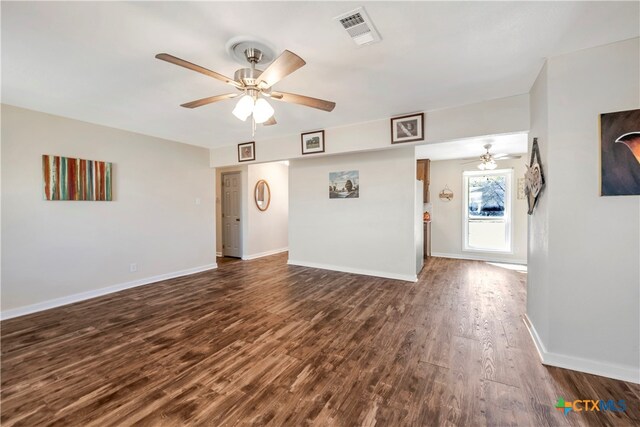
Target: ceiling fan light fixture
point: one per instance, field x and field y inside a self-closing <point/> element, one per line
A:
<point x="491" y="165"/>
<point x="262" y="111"/>
<point x="244" y="108"/>
<point x="482" y="166"/>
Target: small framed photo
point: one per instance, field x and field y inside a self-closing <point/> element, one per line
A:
<point x="313" y="142"/>
<point x="407" y="128"/>
<point x="247" y="151"/>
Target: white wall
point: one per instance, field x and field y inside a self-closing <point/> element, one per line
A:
<point x="268" y="231"/>
<point x="446" y="217"/>
<point x="587" y="287"/>
<point x="498" y="116"/>
<point x="58" y="249"/>
<point x="538" y="262"/>
<point x="373" y="234"/>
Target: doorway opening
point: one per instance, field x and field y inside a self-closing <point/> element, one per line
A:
<point x="231" y="214"/>
<point x="477" y="209"/>
<point x="252" y="210"/>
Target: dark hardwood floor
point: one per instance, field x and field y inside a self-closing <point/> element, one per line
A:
<point x="259" y="342"/>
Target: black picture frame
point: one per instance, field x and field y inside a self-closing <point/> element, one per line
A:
<point x="412" y="125"/>
<point x="309" y="137"/>
<point x="247" y="151"/>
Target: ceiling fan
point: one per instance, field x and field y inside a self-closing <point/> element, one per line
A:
<point x="254" y="85"/>
<point x="488" y="160"/>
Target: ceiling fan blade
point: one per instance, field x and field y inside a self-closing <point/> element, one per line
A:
<point x="284" y="65"/>
<point x="272" y="121"/>
<point x="307" y="101"/>
<point x="506" y="156"/>
<point x="209" y="100"/>
<point x="186" y="64"/>
<point x="472" y="161"/>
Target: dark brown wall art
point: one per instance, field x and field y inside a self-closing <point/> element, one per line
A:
<point x="620" y="153"/>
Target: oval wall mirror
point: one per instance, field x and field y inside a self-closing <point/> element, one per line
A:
<point x="262" y="195"/>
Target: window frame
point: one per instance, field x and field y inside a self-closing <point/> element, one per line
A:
<point x="508" y="211"/>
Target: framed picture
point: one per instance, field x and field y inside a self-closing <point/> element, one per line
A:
<point x="620" y="153"/>
<point x="68" y="178"/>
<point x="407" y="128"/>
<point x="312" y="142"/>
<point x="344" y="185"/>
<point x="534" y="178"/>
<point x="247" y="151"/>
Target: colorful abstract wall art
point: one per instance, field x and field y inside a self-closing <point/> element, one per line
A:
<point x="66" y="178"/>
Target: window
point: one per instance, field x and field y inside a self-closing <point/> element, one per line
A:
<point x="487" y="210"/>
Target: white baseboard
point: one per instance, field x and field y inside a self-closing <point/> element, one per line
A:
<point x="608" y="370"/>
<point x="218" y="254"/>
<point x="535" y="337"/>
<point x="70" y="299"/>
<point x="405" y="277"/>
<point x="480" y="257"/>
<point x="266" y="253"/>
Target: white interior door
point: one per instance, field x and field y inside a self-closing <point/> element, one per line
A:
<point x="231" y="208"/>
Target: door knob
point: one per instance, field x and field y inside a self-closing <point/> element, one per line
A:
<point x="237" y="219"/>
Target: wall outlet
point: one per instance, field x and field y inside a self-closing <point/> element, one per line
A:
<point x="197" y="200"/>
<point x="133" y="267"/>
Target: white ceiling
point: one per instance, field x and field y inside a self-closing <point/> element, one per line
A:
<point x="471" y="147"/>
<point x="94" y="61"/>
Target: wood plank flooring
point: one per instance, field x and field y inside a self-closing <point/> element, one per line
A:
<point x="262" y="343"/>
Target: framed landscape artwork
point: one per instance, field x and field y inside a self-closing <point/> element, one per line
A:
<point x="344" y="185"/>
<point x="407" y="128"/>
<point x="313" y="142"/>
<point x="620" y="153"/>
<point x="67" y="178"/>
<point x="246" y="151"/>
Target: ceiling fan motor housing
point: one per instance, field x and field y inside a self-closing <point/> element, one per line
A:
<point x="247" y="76"/>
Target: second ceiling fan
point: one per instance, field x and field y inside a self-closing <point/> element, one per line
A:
<point x="254" y="85"/>
<point x="488" y="160"/>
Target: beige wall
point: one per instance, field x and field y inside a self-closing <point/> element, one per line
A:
<point x="539" y="264"/>
<point x="62" y="250"/>
<point x="373" y="234"/>
<point x="497" y="116"/>
<point x="446" y="224"/>
<point x="585" y="248"/>
<point x="268" y="230"/>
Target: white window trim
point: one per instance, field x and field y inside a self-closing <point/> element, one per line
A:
<point x="507" y="210"/>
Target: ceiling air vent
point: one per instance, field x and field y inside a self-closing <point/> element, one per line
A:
<point x="359" y="26"/>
